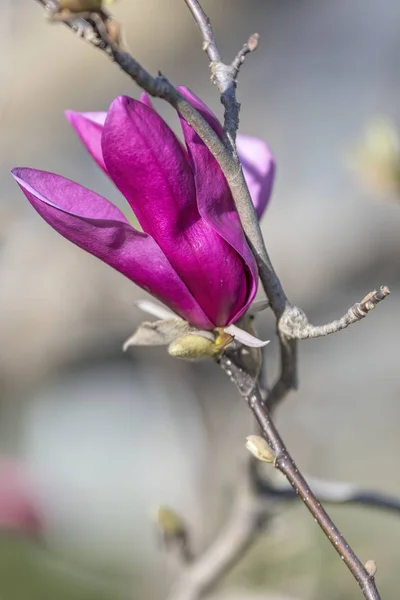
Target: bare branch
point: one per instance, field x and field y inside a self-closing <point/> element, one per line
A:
<point x="294" y="324"/>
<point x="231" y="364"/>
<point x="287" y="379"/>
<point x="204" y="24"/>
<point x="223" y="75"/>
<point x="249" y="46"/>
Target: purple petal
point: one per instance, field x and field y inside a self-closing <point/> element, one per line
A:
<point x="215" y="202"/>
<point x="147" y="163"/>
<point x="203" y="109"/>
<point x="89" y="127"/>
<point x="97" y="226"/>
<point x="145" y="99"/>
<point x="258" y="169"/>
<point x="256" y="158"/>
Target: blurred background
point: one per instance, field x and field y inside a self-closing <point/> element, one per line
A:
<point x="103" y="438"/>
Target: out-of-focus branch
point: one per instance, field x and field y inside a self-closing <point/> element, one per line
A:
<point x="249" y="517"/>
<point x="254" y="507"/>
<point x="231" y="363"/>
<point x="330" y="492"/>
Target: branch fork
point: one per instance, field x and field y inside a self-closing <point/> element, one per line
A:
<point x="294" y="323"/>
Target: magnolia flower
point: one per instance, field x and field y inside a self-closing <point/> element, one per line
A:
<point x="191" y="253"/>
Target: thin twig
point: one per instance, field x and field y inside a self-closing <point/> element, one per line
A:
<point x="296" y="325"/>
<point x="204" y="24"/>
<point x="249" y="46"/>
<point x="230" y="363"/>
<point x="223" y="75"/>
<point x="287" y="379"/>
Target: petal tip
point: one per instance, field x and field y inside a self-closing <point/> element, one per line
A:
<point x="71" y="116"/>
<point x="244" y="337"/>
<point x="17" y="173"/>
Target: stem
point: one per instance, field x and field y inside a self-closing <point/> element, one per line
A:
<point x="285" y="463"/>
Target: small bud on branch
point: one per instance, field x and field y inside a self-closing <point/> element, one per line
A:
<point x="370" y="567"/>
<point x="259" y="448"/>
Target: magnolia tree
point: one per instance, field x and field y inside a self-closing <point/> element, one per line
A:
<point x="200" y="253"/>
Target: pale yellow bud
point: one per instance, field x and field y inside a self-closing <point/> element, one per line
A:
<point x="169" y="522"/>
<point x="370" y="567"/>
<point x="259" y="448"/>
<point x="193" y="347"/>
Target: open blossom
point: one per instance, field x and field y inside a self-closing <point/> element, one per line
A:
<point x="191" y="253"/>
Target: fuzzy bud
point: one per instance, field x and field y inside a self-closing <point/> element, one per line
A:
<point x="193" y="347"/>
<point x="370" y="567"/>
<point x="169" y="522"/>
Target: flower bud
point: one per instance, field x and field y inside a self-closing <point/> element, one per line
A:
<point x="193" y="347"/>
<point x="174" y="532"/>
<point x="169" y="522"/>
<point x="259" y="448"/>
<point x="370" y="567"/>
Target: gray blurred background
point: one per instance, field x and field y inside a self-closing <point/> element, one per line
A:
<point x="111" y="436"/>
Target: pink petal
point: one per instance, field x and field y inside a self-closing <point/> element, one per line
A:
<point x="17" y="507"/>
<point x="256" y="158"/>
<point x="145" y="98"/>
<point x="97" y="226"/>
<point x="258" y="168"/>
<point x="206" y="112"/>
<point x="89" y="127"/>
<point x="147" y="163"/>
<point x="215" y="201"/>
